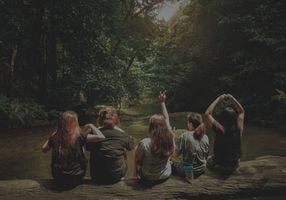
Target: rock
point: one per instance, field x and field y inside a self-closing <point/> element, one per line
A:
<point x="263" y="176"/>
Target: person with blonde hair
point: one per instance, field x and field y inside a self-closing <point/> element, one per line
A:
<point x="108" y="159"/>
<point x="68" y="159"/>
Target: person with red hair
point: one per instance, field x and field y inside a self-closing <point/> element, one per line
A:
<point x="68" y="159"/>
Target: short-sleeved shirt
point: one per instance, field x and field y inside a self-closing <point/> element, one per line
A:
<point x="153" y="167"/>
<point x="108" y="159"/>
<point x="227" y="146"/>
<point x="74" y="163"/>
<point x="194" y="150"/>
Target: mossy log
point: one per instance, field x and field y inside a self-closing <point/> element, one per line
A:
<point x="262" y="176"/>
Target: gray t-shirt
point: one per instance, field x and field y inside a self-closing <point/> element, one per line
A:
<point x="194" y="151"/>
<point x="153" y="167"/>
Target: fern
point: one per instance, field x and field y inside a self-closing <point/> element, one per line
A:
<point x="280" y="96"/>
<point x="20" y="113"/>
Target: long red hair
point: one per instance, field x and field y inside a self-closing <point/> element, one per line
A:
<point x="67" y="132"/>
<point x="161" y="137"/>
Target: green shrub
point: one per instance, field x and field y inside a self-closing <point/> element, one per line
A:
<point x="16" y="113"/>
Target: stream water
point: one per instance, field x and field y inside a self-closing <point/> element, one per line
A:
<point x="21" y="156"/>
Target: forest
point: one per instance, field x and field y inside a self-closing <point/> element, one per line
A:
<point x="59" y="55"/>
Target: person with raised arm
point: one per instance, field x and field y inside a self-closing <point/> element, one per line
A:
<point x="193" y="145"/>
<point x="228" y="128"/>
<point x="68" y="159"/>
<point x="151" y="161"/>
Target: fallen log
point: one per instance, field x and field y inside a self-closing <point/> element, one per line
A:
<point x="263" y="176"/>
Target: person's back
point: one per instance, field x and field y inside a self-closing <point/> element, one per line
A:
<point x="68" y="159"/>
<point x="108" y="160"/>
<point x="153" y="167"/>
<point x="194" y="151"/>
<point x="227" y="146"/>
<point x="193" y="145"/>
<point x="151" y="162"/>
<point x="228" y="128"/>
<point x="72" y="164"/>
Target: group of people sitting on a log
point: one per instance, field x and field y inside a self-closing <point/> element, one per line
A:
<point x="153" y="160"/>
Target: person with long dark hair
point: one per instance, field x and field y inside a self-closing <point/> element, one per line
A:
<point x="228" y="128"/>
<point x="68" y="159"/>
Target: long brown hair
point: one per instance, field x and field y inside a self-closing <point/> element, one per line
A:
<point x="67" y="132"/>
<point x="161" y="137"/>
<point x="198" y="124"/>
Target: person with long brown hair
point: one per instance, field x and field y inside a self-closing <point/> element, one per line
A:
<point x="193" y="144"/>
<point x="151" y="162"/>
<point x="68" y="159"/>
<point x="108" y="159"/>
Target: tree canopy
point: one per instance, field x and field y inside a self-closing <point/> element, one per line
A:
<point x="225" y="46"/>
<point x="61" y="53"/>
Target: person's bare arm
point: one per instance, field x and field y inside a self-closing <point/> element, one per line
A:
<point x="96" y="135"/>
<point x="163" y="108"/>
<point x="211" y="120"/>
<point x="46" y="147"/>
<point x="135" y="164"/>
<point x="210" y="110"/>
<point x="240" y="110"/>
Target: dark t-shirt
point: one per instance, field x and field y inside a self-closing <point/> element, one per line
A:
<point x="227" y="146"/>
<point x="72" y="164"/>
<point x="108" y="160"/>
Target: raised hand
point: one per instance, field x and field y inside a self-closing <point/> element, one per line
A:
<point x="162" y="96"/>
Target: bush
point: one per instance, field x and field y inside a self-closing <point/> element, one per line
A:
<point x="16" y="113"/>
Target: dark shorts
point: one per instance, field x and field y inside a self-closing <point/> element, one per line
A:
<point x="227" y="168"/>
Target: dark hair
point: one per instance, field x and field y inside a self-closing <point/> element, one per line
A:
<point x="108" y="117"/>
<point x="162" y="143"/>
<point x="198" y="124"/>
<point x="228" y="118"/>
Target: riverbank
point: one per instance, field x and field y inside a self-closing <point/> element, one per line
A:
<point x="264" y="176"/>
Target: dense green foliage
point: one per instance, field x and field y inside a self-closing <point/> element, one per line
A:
<point x="17" y="113"/>
<point x="226" y="46"/>
<point x="58" y="51"/>
<point x="64" y="54"/>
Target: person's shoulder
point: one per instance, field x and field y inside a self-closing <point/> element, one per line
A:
<point x="121" y="132"/>
<point x="83" y="133"/>
<point x="145" y="141"/>
<point x="119" y="129"/>
<point x="205" y="138"/>
<point x="187" y="134"/>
